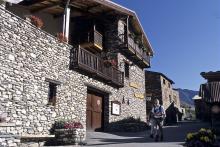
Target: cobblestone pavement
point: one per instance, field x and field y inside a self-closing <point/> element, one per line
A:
<point x="173" y="137"/>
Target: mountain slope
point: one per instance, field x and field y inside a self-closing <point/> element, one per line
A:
<point x="186" y="96"/>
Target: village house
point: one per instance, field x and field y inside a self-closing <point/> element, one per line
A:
<point x="210" y="93"/>
<point x="159" y="86"/>
<point x="84" y="61"/>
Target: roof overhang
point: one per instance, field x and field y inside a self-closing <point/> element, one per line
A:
<point x="89" y="6"/>
<point x="211" y="76"/>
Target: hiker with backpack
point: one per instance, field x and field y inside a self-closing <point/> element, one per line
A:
<point x="158" y="116"/>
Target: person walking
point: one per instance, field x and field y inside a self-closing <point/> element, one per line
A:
<point x="159" y="115"/>
<point x="152" y="125"/>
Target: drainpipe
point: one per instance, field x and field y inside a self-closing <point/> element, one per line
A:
<point x="66" y="20"/>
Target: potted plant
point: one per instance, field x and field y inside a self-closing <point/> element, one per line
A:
<point x="36" y="21"/>
<point x="68" y="132"/>
<point x="202" y="138"/>
<point x="61" y="37"/>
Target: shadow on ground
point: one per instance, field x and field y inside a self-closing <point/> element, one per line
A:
<point x="175" y="133"/>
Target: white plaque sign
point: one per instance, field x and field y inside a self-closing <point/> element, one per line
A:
<point x="116" y="108"/>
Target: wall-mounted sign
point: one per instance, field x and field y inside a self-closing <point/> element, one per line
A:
<point x="134" y="85"/>
<point x="139" y="95"/>
<point x="116" y="108"/>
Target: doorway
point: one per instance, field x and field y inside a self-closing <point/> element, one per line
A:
<point x="94" y="111"/>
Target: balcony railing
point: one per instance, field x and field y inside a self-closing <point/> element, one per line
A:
<point x="139" y="53"/>
<point x="85" y="60"/>
<point x="146" y="59"/>
<point x="92" y="39"/>
<point x="131" y="45"/>
<point x="210" y="92"/>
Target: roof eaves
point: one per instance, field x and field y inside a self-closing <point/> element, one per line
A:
<point x="126" y="11"/>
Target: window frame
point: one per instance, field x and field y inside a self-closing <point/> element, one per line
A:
<point x="52" y="96"/>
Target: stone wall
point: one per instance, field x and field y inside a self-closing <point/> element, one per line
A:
<point x="7" y="137"/>
<point x="28" y="57"/>
<point x="167" y="92"/>
<point x="153" y="88"/>
<point x="161" y="88"/>
<point x="176" y="98"/>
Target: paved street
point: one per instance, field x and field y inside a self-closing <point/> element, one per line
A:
<point x="173" y="137"/>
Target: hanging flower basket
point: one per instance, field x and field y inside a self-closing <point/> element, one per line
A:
<point x="61" y="37"/>
<point x="36" y="21"/>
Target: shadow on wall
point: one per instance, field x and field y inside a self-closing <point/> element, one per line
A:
<point x="173" y="115"/>
<point x="129" y="124"/>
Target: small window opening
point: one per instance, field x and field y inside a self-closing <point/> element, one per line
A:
<point x="52" y="94"/>
<point x="164" y="82"/>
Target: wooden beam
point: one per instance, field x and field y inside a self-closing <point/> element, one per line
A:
<point x="91" y="7"/>
<point x="46" y="7"/>
<point x="31" y="2"/>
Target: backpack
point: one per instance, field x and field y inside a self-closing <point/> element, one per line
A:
<point x="160" y="109"/>
<point x="160" y="119"/>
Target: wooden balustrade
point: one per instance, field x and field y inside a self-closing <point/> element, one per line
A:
<point x="139" y="53"/>
<point x="92" y="39"/>
<point x="85" y="60"/>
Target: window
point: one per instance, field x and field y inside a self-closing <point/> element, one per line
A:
<point x="164" y="82"/>
<point x="126" y="70"/>
<point x="52" y="94"/>
<point x="169" y="85"/>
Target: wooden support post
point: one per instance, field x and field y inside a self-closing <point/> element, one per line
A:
<point x="66" y="21"/>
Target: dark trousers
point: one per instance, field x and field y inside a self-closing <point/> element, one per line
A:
<point x="159" y="123"/>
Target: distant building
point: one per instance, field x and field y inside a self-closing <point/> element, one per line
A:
<point x="159" y="86"/>
<point x="202" y="110"/>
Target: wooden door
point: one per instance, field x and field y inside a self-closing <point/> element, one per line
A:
<point x="94" y="112"/>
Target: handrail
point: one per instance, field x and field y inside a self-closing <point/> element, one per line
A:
<point x="138" y="50"/>
<point x="95" y="64"/>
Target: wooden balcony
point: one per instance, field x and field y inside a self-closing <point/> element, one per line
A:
<point x="131" y="45"/>
<point x="92" y="39"/>
<point x="137" y="53"/>
<point x="93" y="65"/>
<point x="146" y="59"/>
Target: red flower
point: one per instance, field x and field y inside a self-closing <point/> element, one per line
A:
<point x="61" y="37"/>
<point x="73" y="125"/>
<point x="36" y="21"/>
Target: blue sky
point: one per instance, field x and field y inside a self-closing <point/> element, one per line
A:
<point x="185" y="35"/>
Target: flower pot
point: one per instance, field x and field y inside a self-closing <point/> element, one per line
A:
<point x="69" y="136"/>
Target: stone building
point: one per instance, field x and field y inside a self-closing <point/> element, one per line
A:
<point x="96" y="78"/>
<point x="159" y="86"/>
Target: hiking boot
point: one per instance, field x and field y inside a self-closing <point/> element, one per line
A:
<point x="151" y="136"/>
<point x="156" y="138"/>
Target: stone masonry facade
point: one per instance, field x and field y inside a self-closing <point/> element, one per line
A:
<point x="30" y="56"/>
<point x="160" y="87"/>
